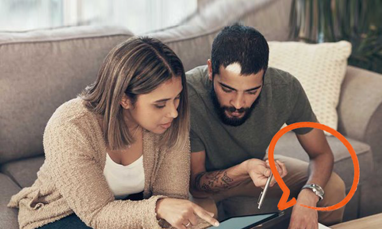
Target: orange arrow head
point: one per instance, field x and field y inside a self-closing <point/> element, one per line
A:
<point x="284" y="203"/>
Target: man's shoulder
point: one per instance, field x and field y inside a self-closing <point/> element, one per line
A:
<point x="277" y="77"/>
<point x="197" y="80"/>
<point x="281" y="81"/>
<point x="197" y="72"/>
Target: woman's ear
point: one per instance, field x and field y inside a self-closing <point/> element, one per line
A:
<point x="125" y="102"/>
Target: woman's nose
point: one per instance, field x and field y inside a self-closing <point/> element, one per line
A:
<point x="173" y="113"/>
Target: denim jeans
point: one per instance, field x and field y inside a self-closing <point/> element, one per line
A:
<point x="74" y="222"/>
<point x="69" y="222"/>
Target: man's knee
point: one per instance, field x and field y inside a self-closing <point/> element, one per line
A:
<point x="334" y="193"/>
<point x="335" y="188"/>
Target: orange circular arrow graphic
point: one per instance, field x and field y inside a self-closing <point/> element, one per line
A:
<point x="284" y="203"/>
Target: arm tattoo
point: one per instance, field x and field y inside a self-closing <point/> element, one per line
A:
<point x="213" y="182"/>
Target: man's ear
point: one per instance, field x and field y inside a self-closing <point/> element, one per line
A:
<point x="209" y="69"/>
<point x="125" y="102"/>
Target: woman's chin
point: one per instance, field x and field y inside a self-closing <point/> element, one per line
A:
<point x="158" y="131"/>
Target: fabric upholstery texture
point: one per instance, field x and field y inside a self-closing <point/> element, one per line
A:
<point x="362" y="91"/>
<point x="8" y="216"/>
<point x="360" y="118"/>
<point x="23" y="172"/>
<point x="39" y="71"/>
<point x="320" y="68"/>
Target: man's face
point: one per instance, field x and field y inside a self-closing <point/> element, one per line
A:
<point x="235" y="95"/>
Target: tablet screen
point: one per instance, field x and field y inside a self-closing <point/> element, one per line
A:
<point x="242" y="222"/>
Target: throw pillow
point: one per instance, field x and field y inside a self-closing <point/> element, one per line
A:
<point x="320" y="68"/>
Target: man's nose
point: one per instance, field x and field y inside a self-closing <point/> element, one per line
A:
<point x="238" y="101"/>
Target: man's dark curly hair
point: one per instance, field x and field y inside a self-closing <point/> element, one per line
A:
<point x="242" y="44"/>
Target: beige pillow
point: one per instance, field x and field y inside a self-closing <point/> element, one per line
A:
<point x="320" y="68"/>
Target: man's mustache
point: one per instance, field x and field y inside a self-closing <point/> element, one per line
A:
<point x="233" y="109"/>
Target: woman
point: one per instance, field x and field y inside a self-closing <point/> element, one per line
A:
<point x="125" y="134"/>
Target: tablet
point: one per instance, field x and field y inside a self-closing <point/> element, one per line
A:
<point x="245" y="222"/>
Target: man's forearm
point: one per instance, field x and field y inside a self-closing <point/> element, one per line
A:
<point x="320" y="154"/>
<point x="209" y="183"/>
<point x="320" y="169"/>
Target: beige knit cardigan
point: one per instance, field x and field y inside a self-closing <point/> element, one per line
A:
<point x="71" y="178"/>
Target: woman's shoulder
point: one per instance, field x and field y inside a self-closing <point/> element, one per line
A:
<point x="73" y="107"/>
<point x="72" y="112"/>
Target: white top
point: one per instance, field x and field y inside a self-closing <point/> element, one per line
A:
<point x="124" y="180"/>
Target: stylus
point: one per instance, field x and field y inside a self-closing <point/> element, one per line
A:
<point x="264" y="192"/>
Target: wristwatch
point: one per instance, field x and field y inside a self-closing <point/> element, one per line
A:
<point x="316" y="190"/>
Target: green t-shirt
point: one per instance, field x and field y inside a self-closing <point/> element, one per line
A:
<point x="282" y="100"/>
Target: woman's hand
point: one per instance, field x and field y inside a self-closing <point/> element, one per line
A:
<point x="182" y="213"/>
<point x="259" y="171"/>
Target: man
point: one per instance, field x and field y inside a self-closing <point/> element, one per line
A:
<point x="237" y="105"/>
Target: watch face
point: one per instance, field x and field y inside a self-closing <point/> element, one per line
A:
<point x="316" y="190"/>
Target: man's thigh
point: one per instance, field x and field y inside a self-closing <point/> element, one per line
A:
<point x="242" y="200"/>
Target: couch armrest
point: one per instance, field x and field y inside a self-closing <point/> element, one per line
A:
<point x="8" y="216"/>
<point x="360" y="110"/>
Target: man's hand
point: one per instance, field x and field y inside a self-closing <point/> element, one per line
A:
<point x="259" y="171"/>
<point x="302" y="217"/>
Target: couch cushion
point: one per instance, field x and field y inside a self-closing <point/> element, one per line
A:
<point x="23" y="172"/>
<point x="320" y="68"/>
<point x="8" y="216"/>
<point x="40" y="70"/>
<point x="288" y="145"/>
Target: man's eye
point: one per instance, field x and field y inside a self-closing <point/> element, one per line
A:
<point x="252" y="92"/>
<point x="226" y="90"/>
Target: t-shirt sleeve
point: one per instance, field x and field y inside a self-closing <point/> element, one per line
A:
<point x="302" y="110"/>
<point x="197" y="144"/>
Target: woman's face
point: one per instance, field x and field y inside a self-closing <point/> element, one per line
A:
<point x="156" y="110"/>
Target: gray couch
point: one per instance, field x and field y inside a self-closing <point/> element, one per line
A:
<point x="39" y="70"/>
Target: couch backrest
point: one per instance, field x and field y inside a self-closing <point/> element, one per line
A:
<point x="192" y="41"/>
<point x="40" y="70"/>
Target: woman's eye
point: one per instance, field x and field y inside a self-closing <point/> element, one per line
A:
<point x="159" y="106"/>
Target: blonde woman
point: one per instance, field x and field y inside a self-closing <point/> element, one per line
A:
<point x="127" y="133"/>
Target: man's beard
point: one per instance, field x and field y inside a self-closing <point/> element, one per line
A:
<point x="232" y="121"/>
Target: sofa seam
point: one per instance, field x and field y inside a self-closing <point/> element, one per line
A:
<point x="361" y="153"/>
<point x="216" y="28"/>
<point x="65" y="39"/>
<point x="379" y="107"/>
<point x="12" y="178"/>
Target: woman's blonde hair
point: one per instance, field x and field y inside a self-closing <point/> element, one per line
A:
<point x="137" y="66"/>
